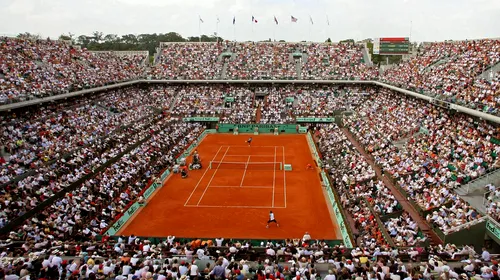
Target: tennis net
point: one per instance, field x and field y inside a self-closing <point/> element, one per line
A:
<point x="246" y="165"/>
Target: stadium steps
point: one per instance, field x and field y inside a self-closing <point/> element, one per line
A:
<point x="401" y="143"/>
<point x="223" y="72"/>
<point x="258" y="114"/>
<point x="174" y="102"/>
<point x="486" y="74"/>
<point x="407" y="206"/>
<point x="366" y="56"/>
<point x="437" y="63"/>
<point x="298" y="68"/>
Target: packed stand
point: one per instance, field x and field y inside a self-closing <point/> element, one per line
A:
<point x="83" y="138"/>
<point x="131" y="257"/>
<point x="39" y="68"/>
<point x="325" y="101"/>
<point x="450" y="70"/>
<point x="231" y="104"/>
<point x="92" y="207"/>
<point x="274" y="108"/>
<point x="189" y="61"/>
<point x="449" y="218"/>
<point x="349" y="172"/>
<point x="440" y="151"/>
<point x="34" y="138"/>
<point x="343" y="61"/>
<point x="261" y="61"/>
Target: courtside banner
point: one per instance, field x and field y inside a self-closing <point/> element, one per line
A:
<point x="193" y="145"/>
<point x="123" y="219"/>
<point x="150" y="190"/>
<point x="164" y="176"/>
<point x="316" y="120"/>
<point x="201" y="119"/>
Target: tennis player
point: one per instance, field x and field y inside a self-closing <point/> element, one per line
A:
<point x="272" y="220"/>
<point x="249" y="141"/>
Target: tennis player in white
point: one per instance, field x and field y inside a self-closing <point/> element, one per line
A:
<point x="272" y="220"/>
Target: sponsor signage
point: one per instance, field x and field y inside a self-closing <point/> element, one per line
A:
<point x="310" y="120"/>
<point x="201" y="119"/>
<point x="123" y="219"/>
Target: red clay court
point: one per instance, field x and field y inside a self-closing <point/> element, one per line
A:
<point x="234" y="192"/>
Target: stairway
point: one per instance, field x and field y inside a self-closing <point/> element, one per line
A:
<point x="490" y="70"/>
<point x="258" y="114"/>
<point x="437" y="63"/>
<point x="224" y="70"/>
<point x="174" y="102"/>
<point x="298" y="69"/>
<point x="407" y="206"/>
<point x="366" y="56"/>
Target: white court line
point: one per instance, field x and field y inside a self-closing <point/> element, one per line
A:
<point x="201" y="178"/>
<point x="284" y="175"/>
<point x="213" y="175"/>
<point x="274" y="173"/>
<point x="249" y="155"/>
<point x="255" y="146"/>
<point x="232" y="206"/>
<point x="247" y="187"/>
<point x="245" y="172"/>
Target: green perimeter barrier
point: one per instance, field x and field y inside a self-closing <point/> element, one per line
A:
<point x="134" y="207"/>
<point x="193" y="145"/>
<point x="123" y="219"/>
<point x="315" y="120"/>
<point x="263" y="128"/>
<point x="201" y="119"/>
<point x="331" y="196"/>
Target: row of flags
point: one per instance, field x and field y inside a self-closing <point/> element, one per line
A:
<point x="254" y="20"/>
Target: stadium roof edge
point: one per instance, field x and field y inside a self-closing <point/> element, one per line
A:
<point x="452" y="106"/>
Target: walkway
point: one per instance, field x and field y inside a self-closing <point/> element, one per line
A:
<point x="258" y="114"/>
<point x="422" y="223"/>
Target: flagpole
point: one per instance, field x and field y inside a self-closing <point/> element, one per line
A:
<point x="199" y="28"/>
<point x="217" y="30"/>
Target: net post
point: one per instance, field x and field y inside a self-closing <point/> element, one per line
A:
<point x="281" y="166"/>
<point x="210" y="165"/>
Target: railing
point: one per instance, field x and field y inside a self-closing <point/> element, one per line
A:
<point x="466" y="225"/>
<point x="486" y="175"/>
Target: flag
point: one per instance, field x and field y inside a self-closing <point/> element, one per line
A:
<point x="327" y="20"/>
<point x="234" y="19"/>
<point x="254" y="20"/>
<point x="218" y="20"/>
<point x="311" y="19"/>
<point x="200" y="19"/>
<point x="276" y="20"/>
<point x="294" y="19"/>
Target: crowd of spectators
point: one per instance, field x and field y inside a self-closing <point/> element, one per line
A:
<point x="262" y="61"/>
<point x="439" y="153"/>
<point x="130" y="257"/>
<point x="38" y="68"/>
<point x="50" y="148"/>
<point x="90" y="207"/>
<point x="448" y="218"/>
<point x="343" y="61"/>
<point x="189" y="61"/>
<point x="325" y="101"/>
<point x="274" y="108"/>
<point x="231" y="103"/>
<point x="450" y="70"/>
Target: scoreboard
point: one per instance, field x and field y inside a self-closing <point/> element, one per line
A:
<point x="391" y="46"/>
